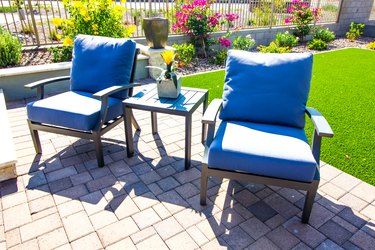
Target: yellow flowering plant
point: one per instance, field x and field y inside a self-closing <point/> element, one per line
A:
<point x="169" y="61"/>
<point x="168" y="57"/>
<point x="93" y="17"/>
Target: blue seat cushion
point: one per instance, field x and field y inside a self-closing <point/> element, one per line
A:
<point x="267" y="88"/>
<point x="101" y="62"/>
<point x="262" y="149"/>
<point x="72" y="109"/>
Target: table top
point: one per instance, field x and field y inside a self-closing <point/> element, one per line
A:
<point x="187" y="102"/>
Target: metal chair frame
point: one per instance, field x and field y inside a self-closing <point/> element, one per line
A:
<point x="322" y="129"/>
<point x="101" y="127"/>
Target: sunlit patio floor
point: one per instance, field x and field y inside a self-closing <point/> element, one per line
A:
<point x="62" y="200"/>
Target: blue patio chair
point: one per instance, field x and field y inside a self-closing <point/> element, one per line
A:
<point x="261" y="137"/>
<point x="101" y="77"/>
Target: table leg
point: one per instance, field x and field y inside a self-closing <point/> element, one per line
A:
<point x="204" y="126"/>
<point x="135" y="123"/>
<point x="154" y="122"/>
<point x="128" y="131"/>
<point x="187" y="141"/>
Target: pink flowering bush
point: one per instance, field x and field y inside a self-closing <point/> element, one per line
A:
<point x="301" y="16"/>
<point x="225" y="42"/>
<point x="231" y="17"/>
<point x="197" y="20"/>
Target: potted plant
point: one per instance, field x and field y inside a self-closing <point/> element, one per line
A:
<point x="168" y="83"/>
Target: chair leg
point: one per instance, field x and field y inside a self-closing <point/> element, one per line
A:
<point x="35" y="137"/>
<point x="309" y="201"/>
<point x="99" y="150"/>
<point x="204" y="180"/>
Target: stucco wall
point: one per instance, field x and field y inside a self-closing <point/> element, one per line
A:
<point x="12" y="80"/>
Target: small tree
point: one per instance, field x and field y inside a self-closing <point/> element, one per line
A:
<point x="302" y="16"/>
<point x="198" y="21"/>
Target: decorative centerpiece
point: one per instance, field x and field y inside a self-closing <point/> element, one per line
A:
<point x="168" y="83"/>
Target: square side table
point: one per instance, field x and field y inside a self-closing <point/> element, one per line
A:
<point x="184" y="105"/>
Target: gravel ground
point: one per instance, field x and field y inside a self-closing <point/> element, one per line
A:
<point x="204" y="65"/>
<point x="201" y="64"/>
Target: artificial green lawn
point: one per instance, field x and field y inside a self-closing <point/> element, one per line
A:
<point x="343" y="90"/>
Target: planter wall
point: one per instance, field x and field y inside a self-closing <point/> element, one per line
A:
<point x="261" y="35"/>
<point x="12" y="80"/>
<point x="369" y="30"/>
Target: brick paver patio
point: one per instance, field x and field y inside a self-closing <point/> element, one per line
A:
<point x="62" y="200"/>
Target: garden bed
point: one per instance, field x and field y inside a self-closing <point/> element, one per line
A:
<point x="40" y="57"/>
<point x="203" y="65"/>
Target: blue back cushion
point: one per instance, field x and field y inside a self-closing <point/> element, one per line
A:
<point x="267" y="88"/>
<point x="101" y="62"/>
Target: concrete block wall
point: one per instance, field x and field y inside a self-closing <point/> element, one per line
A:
<point x="369" y="30"/>
<point x="357" y="11"/>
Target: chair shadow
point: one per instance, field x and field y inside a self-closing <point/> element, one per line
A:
<point x="232" y="206"/>
<point x="242" y="216"/>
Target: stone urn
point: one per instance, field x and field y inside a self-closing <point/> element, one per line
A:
<point x="156" y="31"/>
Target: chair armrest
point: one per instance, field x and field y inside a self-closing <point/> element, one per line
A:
<point x="114" y="89"/>
<point x="321" y="125"/>
<point x="209" y="118"/>
<point x="210" y="115"/>
<point x="322" y="128"/>
<point x="40" y="84"/>
<point x="103" y="96"/>
<point x="46" y="81"/>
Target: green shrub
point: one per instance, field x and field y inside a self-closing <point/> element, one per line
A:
<point x="263" y="12"/>
<point x="286" y="40"/>
<point x="94" y="17"/>
<point x="153" y="13"/>
<point x="27" y="28"/>
<point x="53" y="35"/>
<point x="97" y="17"/>
<point x="273" y="48"/>
<point x="63" y="54"/>
<point x="355" y="31"/>
<point x="184" y="53"/>
<point x="250" y="22"/>
<point x="8" y="9"/>
<point x="371" y="45"/>
<point x="219" y="57"/>
<point x="329" y="7"/>
<point x="10" y="49"/>
<point x="317" y="44"/>
<point x="262" y="16"/>
<point x="243" y="43"/>
<point x="324" y="35"/>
